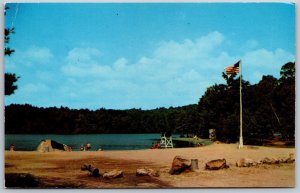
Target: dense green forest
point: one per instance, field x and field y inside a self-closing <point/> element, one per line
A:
<point x="268" y="108"/>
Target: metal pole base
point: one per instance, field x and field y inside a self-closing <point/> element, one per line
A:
<point x="241" y="145"/>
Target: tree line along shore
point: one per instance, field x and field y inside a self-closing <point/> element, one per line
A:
<point x="268" y="110"/>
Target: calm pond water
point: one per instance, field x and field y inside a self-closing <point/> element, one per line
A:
<point x="105" y="141"/>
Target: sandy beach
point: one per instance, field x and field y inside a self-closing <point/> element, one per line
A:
<point x="62" y="169"/>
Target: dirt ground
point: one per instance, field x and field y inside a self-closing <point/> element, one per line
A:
<point x="63" y="169"/>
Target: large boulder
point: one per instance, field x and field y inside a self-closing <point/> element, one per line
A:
<point x="146" y="172"/>
<point x="49" y="145"/>
<point x="113" y="174"/>
<point x="179" y="165"/>
<point x="216" y="164"/>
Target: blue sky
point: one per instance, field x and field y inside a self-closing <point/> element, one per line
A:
<point x="121" y="56"/>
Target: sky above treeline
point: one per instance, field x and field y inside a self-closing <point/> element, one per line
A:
<point x="139" y="55"/>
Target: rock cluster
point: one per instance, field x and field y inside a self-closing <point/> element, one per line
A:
<point x="182" y="164"/>
<point x="247" y="162"/>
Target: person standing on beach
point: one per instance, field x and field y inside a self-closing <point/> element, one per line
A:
<point x="12" y="147"/>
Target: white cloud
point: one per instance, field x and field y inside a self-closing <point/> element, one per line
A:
<point x="176" y="73"/>
<point x="188" y="49"/>
<point x="38" y="54"/>
<point x="251" y="44"/>
<point x="83" y="55"/>
<point x="88" y="70"/>
<point x="30" y="88"/>
<point x="264" y="62"/>
<point x="82" y="62"/>
<point x="45" y="75"/>
<point x="120" y="64"/>
<point x="29" y="57"/>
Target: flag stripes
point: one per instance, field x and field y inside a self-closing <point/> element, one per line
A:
<point x="233" y="68"/>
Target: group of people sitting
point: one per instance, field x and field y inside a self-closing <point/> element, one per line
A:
<point x="88" y="147"/>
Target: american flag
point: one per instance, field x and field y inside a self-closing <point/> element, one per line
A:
<point x="233" y="68"/>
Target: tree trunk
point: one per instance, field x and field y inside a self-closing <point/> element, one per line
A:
<point x="194" y="165"/>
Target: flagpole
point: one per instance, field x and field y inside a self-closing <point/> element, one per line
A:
<point x="241" y="109"/>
